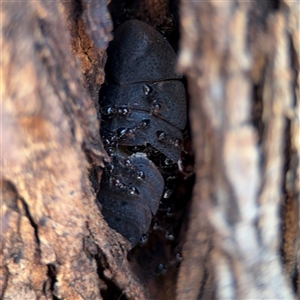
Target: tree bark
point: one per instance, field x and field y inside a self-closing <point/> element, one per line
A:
<point x="53" y="237"/>
<point x="243" y="72"/>
<point x="241" y="60"/>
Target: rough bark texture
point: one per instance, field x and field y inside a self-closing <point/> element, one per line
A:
<point x="241" y="63"/>
<point x="53" y="237"/>
<point x="241" y="60"/>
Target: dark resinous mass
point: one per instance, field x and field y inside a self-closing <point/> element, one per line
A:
<point x="143" y="111"/>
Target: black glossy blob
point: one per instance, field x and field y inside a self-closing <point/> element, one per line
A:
<point x="143" y="107"/>
<point x="131" y="189"/>
<point x="143" y="82"/>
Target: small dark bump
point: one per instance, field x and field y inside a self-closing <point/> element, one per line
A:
<point x="110" y="167"/>
<point x="111" y="152"/>
<point x="170" y="212"/>
<point x="17" y="257"/>
<point x="126" y="111"/>
<point x="133" y="191"/>
<point x="155" y="152"/>
<point x="147" y="89"/>
<point x="106" y="141"/>
<point x="145" y="123"/>
<point x="169" y="236"/>
<point x="140" y="175"/>
<point x="116" y="182"/>
<point x="160" y="269"/>
<point x="155" y="227"/>
<point x="43" y="221"/>
<point x="168" y="162"/>
<point x="129" y="132"/>
<point x="167" y="193"/>
<point x="156" y="107"/>
<point x="143" y="239"/>
<point x="121" y="131"/>
<point x="178" y="257"/>
<point x="161" y="135"/>
<point x="107" y="110"/>
<point x="127" y="162"/>
<point x="178" y="143"/>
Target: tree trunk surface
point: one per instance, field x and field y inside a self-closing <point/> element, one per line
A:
<point x="240" y="237"/>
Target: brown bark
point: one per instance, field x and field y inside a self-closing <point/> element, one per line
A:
<point x="238" y="56"/>
<point x="241" y="60"/>
<point x="51" y="228"/>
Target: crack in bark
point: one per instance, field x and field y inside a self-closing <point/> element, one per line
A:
<point x="5" y="282"/>
<point x="33" y="224"/>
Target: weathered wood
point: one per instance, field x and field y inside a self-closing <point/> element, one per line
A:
<point x="229" y="51"/>
<point x="52" y="233"/>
